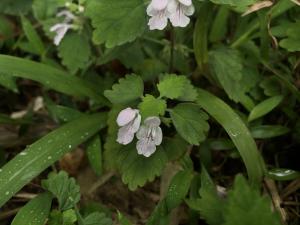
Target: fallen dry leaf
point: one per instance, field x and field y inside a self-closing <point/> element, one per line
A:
<point x="257" y="6"/>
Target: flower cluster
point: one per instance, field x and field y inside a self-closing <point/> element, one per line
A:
<point x="69" y="21"/>
<point x="149" y="134"/>
<point x="177" y="11"/>
<point x="62" y="28"/>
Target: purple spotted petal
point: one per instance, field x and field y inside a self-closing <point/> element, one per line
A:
<point x="145" y="148"/>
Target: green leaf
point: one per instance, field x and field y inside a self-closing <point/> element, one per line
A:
<point x="136" y="169"/>
<point x="235" y="3"/>
<point x="127" y="90"/>
<point x="32" y="36"/>
<point x="264" y="107"/>
<point x="200" y="42"/>
<point x="75" y="51"/>
<point x="151" y="106"/>
<point x="15" y="7"/>
<point x="292" y="42"/>
<point x="40" y="155"/>
<point x="237" y="131"/>
<point x="131" y="55"/>
<point x="55" y="218"/>
<point x="220" y="144"/>
<point x="52" y="77"/>
<point x="97" y="218"/>
<point x="46" y="8"/>
<point x="246" y="206"/>
<point x="94" y="153"/>
<point x="62" y="113"/>
<point x="210" y="205"/>
<point x="189" y="92"/>
<point x="64" y="189"/>
<point x="283" y="174"/>
<point x="35" y="212"/>
<point x="175" y="147"/>
<point x="220" y="24"/>
<point x="178" y="188"/>
<point x="172" y="86"/>
<point x="117" y="22"/>
<point x="9" y="83"/>
<point x="69" y="217"/>
<point x="226" y="65"/>
<point x="123" y="220"/>
<point x="160" y="215"/>
<point x="190" y="122"/>
<point x="268" y="131"/>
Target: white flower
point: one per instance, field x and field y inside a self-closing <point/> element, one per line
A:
<point x="158" y="11"/>
<point x="149" y="136"/>
<point x="129" y="120"/>
<point x="180" y="9"/>
<point x="62" y="28"/>
<point x="175" y="10"/>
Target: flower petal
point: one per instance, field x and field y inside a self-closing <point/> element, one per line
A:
<point x="189" y="10"/>
<point x="172" y="6"/>
<point x="186" y="2"/>
<point x="158" y="22"/>
<point x="157" y="135"/>
<point x="151" y="11"/>
<point x="179" y="19"/>
<point x="142" y="132"/>
<point x="125" y="136"/>
<point x="126" y="116"/>
<point x="136" y="124"/>
<point x="159" y="4"/>
<point x="145" y="148"/>
<point x="152" y="121"/>
<point x="67" y="14"/>
<point x="61" y="30"/>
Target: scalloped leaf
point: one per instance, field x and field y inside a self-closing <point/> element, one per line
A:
<point x="127" y="90"/>
<point x="171" y="86"/>
<point x="75" y="51"/>
<point x="190" y="122"/>
<point x="246" y="206"/>
<point x="136" y="170"/>
<point x="64" y="189"/>
<point x="117" y="22"/>
<point x="151" y="106"/>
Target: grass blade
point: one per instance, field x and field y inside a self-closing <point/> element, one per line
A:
<point x="237" y="131"/>
<point x="34" y="212"/>
<point x="50" y="77"/>
<point x="44" y="152"/>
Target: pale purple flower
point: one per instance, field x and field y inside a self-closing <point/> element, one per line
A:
<point x="149" y="136"/>
<point x="180" y="9"/>
<point x="175" y="10"/>
<point x="62" y="28"/>
<point x="129" y="121"/>
<point x="159" y="13"/>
